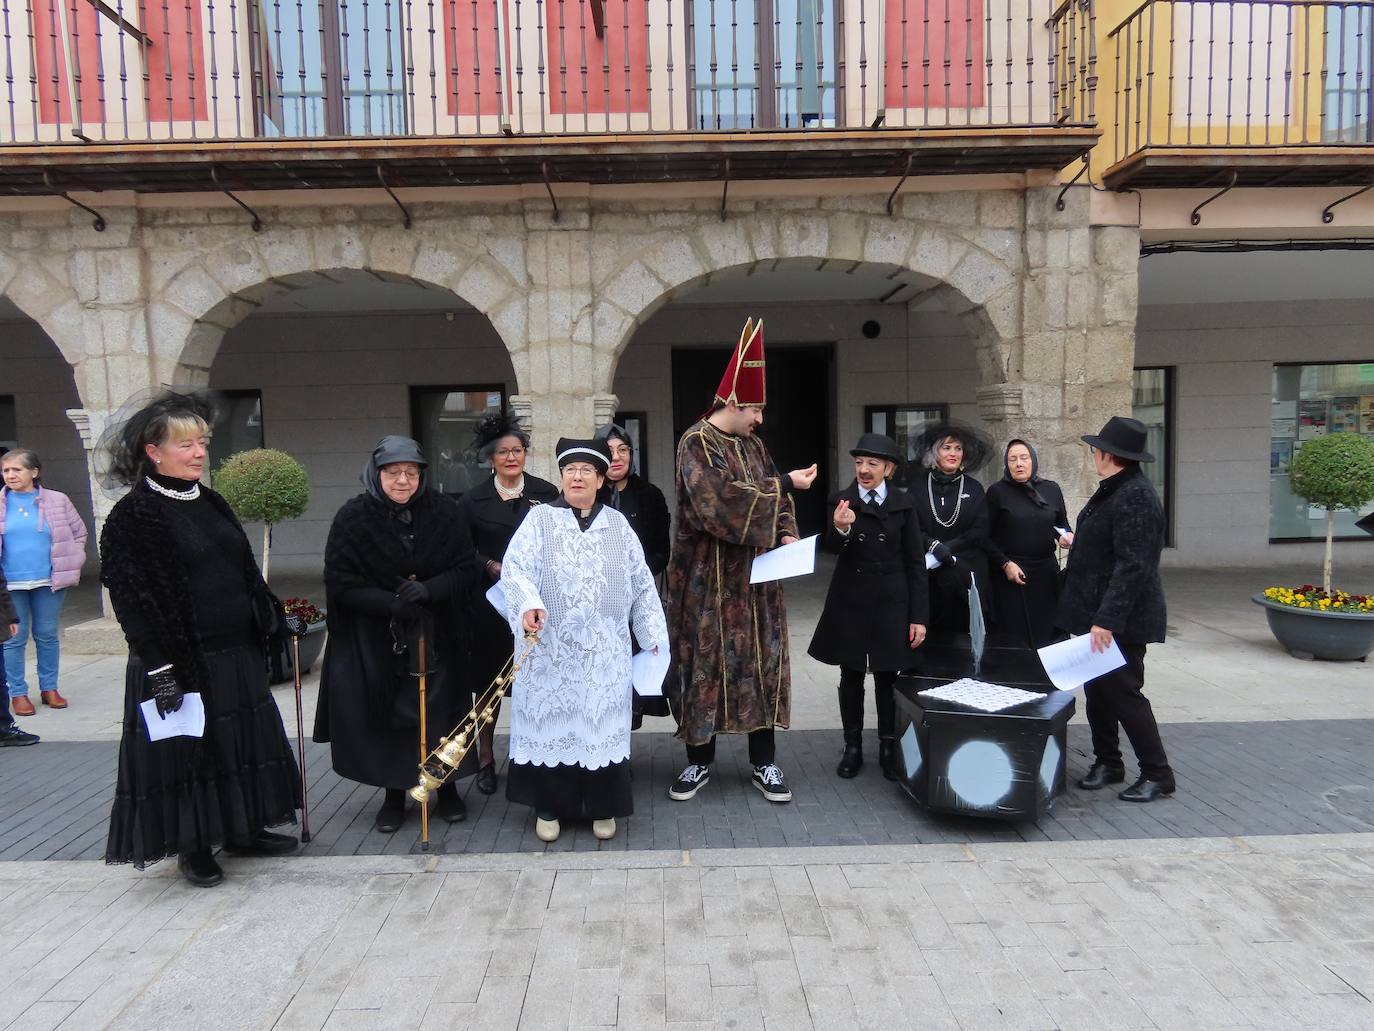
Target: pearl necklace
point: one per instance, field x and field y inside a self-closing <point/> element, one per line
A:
<point x="189" y="494"/>
<point x="513" y="492"/>
<point x="958" y="502"/>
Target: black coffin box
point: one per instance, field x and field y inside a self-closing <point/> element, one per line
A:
<point x="953" y="758"/>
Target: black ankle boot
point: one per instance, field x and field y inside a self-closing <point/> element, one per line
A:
<point x="852" y="720"/>
<point x="449" y="804"/>
<point x="200" y="868"/>
<point x="887" y="758"/>
<point x="887" y="720"/>
<point x="393" y="811"/>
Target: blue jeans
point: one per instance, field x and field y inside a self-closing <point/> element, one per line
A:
<point x="40" y="611"/>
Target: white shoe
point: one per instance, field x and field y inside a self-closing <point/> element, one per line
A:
<point x="604" y="829"/>
<point x="546" y="830"/>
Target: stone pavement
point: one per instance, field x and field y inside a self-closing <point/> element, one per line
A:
<point x="1245" y="901"/>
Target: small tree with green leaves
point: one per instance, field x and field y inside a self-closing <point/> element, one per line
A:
<point x="1332" y="472"/>
<point x="264" y="486"/>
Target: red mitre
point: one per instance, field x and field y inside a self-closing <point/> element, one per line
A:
<point x="743" y="383"/>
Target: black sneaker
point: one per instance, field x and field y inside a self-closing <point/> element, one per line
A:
<point x="200" y="868"/>
<point x="12" y="736"/>
<point x="769" y="779"/>
<point x="689" y="782"/>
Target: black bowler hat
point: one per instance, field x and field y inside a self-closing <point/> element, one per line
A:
<point x="1367" y="523"/>
<point x="877" y="445"/>
<point x="1123" y="437"/>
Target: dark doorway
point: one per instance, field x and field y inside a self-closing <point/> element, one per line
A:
<point x="796" y="424"/>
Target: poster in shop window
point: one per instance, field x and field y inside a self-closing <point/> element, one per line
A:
<point x="1311" y="419"/>
<point x="1367" y="413"/>
<point x="1345" y="415"/>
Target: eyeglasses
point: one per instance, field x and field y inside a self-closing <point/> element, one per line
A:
<point x="580" y="470"/>
<point x="401" y="474"/>
<point x="510" y="452"/>
<point x="620" y="451"/>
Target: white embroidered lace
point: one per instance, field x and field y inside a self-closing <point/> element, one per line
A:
<point x="571" y="699"/>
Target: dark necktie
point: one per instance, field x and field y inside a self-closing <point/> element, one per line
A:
<point x="873" y="497"/>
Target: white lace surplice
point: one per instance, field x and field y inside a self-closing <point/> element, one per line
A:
<point x="571" y="699"/>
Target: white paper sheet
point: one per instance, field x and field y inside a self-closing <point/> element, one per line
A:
<point x="648" y="670"/>
<point x="1061" y="531"/>
<point x="188" y="721"/>
<point x="497" y="597"/>
<point x="979" y="694"/>
<point x="795" y="559"/>
<point x="1072" y="663"/>
<point x="931" y="561"/>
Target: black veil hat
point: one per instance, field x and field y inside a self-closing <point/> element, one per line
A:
<point x="493" y="428"/>
<point x="119" y="457"/>
<point x="977" y="447"/>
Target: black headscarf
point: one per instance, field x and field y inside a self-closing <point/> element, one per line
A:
<point x="394" y="449"/>
<point x="1036" y="497"/>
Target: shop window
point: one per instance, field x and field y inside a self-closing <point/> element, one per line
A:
<point x="443" y="420"/>
<point x="904" y="424"/>
<point x="1152" y="402"/>
<point x="238" y="425"/>
<point x="9" y="423"/>
<point x="1310" y="401"/>
<point x="636" y="424"/>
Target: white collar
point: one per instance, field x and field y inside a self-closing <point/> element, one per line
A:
<point x="881" y="489"/>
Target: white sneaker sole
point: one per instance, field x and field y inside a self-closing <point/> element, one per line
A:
<point x="682" y="796"/>
<point x="547" y="830"/>
<point x="603" y="829"/>
<point x="772" y="795"/>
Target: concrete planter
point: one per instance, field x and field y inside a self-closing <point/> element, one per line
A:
<point x="1308" y="634"/>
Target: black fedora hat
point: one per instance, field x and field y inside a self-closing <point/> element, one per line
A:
<point x="877" y="445"/>
<point x="1123" y="437"/>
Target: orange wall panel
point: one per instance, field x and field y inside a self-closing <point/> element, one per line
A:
<point x="577" y="60"/>
<point x="50" y="49"/>
<point x="935" y="31"/>
<point x="470" y="55"/>
<point x="176" y="60"/>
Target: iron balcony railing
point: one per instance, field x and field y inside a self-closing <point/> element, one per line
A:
<point x="152" y="70"/>
<point x="1251" y="73"/>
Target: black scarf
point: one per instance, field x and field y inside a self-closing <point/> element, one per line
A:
<point x="1028" y="487"/>
<point x="394" y="449"/>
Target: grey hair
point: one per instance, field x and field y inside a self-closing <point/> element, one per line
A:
<point x="930" y="458"/>
<point x="26" y="457"/>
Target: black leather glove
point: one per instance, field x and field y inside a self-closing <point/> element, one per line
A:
<point x="941" y="551"/>
<point x="412" y="592"/>
<point x="295" y="624"/>
<point x="166" y="691"/>
<point x="403" y="610"/>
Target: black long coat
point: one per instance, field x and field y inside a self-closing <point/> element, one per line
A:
<point x="1021" y="531"/>
<point x="1112" y="579"/>
<point x="878" y="588"/>
<point x="492" y="522"/>
<point x="645" y="507"/>
<point x="966" y="537"/>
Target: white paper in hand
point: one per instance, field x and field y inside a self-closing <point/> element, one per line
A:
<point x="497" y="597"/>
<point x="1073" y="663"/>
<point x="931" y="561"/>
<point x="795" y="559"/>
<point x="647" y="669"/>
<point x="188" y="721"/>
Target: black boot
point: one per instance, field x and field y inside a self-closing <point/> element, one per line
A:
<point x="393" y="811"/>
<point x="887" y="722"/>
<point x="450" y="807"/>
<point x="852" y="720"/>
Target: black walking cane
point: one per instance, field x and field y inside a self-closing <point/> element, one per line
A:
<point x="295" y="626"/>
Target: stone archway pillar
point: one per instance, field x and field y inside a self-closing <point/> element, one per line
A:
<point x="1073" y="367"/>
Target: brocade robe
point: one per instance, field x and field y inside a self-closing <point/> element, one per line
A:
<point x="731" y="673"/>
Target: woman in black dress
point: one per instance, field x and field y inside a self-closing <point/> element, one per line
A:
<point x="198" y="618"/>
<point x="952" y="510"/>
<point x="398" y="565"/>
<point x="1026" y="520"/>
<point x="876" y="609"/>
<point x="494" y="509"/>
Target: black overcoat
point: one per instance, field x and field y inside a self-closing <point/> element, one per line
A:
<point x="369" y="700"/>
<point x="645" y="507"/>
<point x="966" y="537"/>
<point x="1112" y="579"/>
<point x="492" y="522"/>
<point x="878" y="588"/>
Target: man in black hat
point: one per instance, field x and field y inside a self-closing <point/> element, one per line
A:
<point x="1112" y="590"/>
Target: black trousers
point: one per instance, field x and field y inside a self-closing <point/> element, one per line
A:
<point x="761" y="749"/>
<point x="854" y="678"/>
<point x="1117" y="700"/>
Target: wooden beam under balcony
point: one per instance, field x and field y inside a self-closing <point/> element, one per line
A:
<point x="1202" y="166"/>
<point x="182" y="167"/>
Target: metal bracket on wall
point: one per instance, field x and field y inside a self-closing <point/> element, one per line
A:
<point x="906" y="174"/>
<point x="405" y="215"/>
<point x="1329" y="212"/>
<point x="548" y="185"/>
<point x="1059" y="201"/>
<point x="725" y="188"/>
<point x="1196" y="217"/>
<point x="98" y="224"/>
<point x="214" y="176"/>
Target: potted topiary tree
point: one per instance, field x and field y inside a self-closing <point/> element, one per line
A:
<point x="269" y="487"/>
<point x="1333" y="472"/>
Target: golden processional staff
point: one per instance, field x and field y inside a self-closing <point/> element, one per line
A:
<point x="296" y="626"/>
<point x="437" y="766"/>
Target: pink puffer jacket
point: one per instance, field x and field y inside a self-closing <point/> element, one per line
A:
<point x="56" y="511"/>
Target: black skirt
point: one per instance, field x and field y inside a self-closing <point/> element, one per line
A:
<point x="1024" y="615"/>
<point x="573" y="792"/>
<point x="181" y="795"/>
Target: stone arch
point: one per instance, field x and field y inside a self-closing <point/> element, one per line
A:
<point x="974" y="270"/>
<point x="196" y="296"/>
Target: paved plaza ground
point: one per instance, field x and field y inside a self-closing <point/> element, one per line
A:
<point x="1247" y="900"/>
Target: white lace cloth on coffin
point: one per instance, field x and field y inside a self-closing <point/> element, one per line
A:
<point x="571" y="699"/>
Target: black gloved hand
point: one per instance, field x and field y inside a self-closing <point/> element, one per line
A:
<point x="404" y="610"/>
<point x="166" y="691"/>
<point x="941" y="551"/>
<point x="412" y="592"/>
<point x="295" y="624"/>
